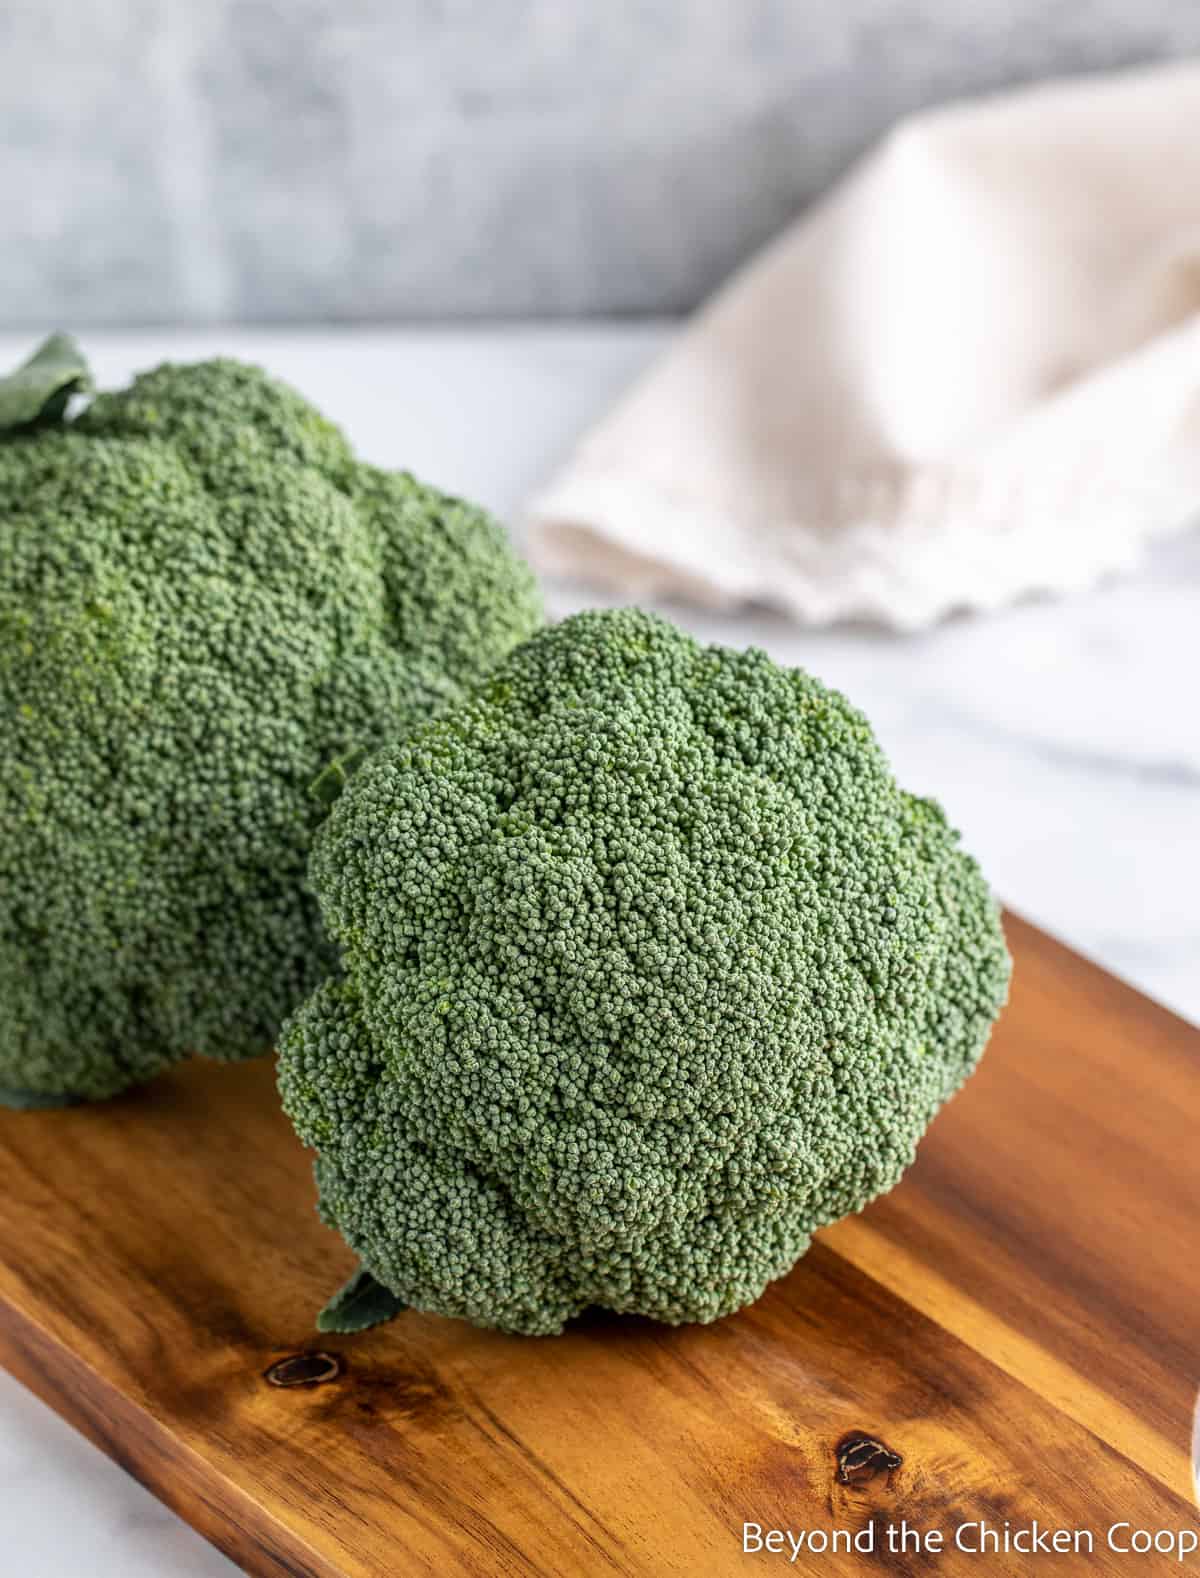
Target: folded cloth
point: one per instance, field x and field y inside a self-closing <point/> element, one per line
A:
<point x="969" y="373"/>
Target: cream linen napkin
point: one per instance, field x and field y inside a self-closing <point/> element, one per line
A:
<point x="971" y="372"/>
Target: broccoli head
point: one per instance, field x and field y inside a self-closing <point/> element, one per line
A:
<point x="649" y="970"/>
<point x="204" y="598"/>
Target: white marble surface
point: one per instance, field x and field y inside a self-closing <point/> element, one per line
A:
<point x="1064" y="738"/>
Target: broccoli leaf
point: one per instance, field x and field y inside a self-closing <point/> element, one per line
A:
<point x="38" y="391"/>
<point x="329" y="783"/>
<point x="360" y="1303"/>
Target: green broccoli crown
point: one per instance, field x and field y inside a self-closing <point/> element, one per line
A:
<point x="203" y="598"/>
<point x="649" y="970"/>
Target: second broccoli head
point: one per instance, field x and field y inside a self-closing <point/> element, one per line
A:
<point x="650" y="969"/>
<point x="203" y="598"/>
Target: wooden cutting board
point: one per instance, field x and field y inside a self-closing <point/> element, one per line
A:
<point x="1016" y="1325"/>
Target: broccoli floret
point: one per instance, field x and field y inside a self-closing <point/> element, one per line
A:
<point x="649" y="970"/>
<point x="203" y="598"/>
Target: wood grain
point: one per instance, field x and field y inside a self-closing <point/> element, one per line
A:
<point x="1017" y="1321"/>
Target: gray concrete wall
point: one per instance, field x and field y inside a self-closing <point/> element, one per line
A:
<point x="309" y="159"/>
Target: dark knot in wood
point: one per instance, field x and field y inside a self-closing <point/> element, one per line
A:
<point x="860" y="1457"/>
<point x="304" y="1369"/>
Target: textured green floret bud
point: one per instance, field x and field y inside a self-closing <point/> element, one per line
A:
<point x="204" y="599"/>
<point x="649" y="969"/>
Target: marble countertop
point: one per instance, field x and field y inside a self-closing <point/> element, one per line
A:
<point x="1063" y="737"/>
